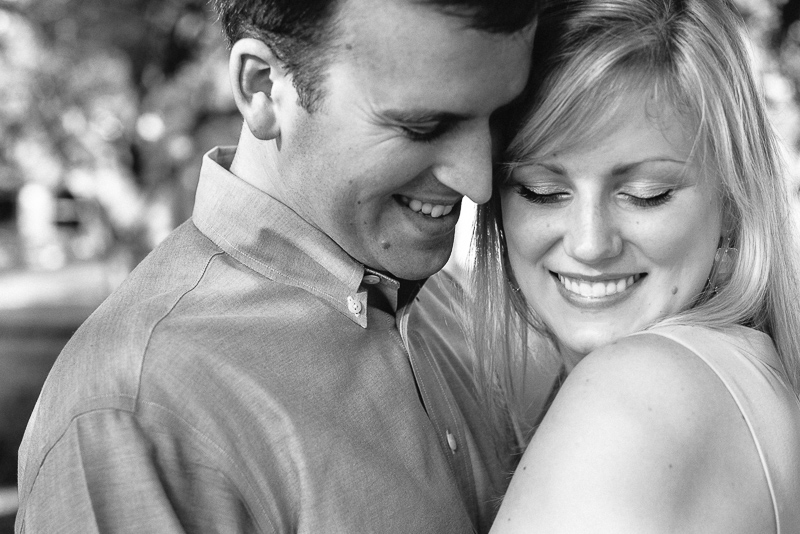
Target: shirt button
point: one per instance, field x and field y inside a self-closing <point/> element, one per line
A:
<point x="354" y="306"/>
<point x="451" y="440"/>
<point x="371" y="279"/>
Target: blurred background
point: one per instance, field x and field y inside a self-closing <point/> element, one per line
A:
<point x="106" y="107"/>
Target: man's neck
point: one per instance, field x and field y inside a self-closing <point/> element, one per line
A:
<point x="256" y="162"/>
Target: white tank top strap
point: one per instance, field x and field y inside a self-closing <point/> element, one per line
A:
<point x="746" y="362"/>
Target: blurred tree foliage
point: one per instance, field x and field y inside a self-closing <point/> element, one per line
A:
<point x="117" y="99"/>
<point x="114" y="100"/>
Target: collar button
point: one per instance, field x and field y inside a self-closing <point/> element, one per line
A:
<point x="354" y="306"/>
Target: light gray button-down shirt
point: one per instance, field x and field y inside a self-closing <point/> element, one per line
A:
<point x="249" y="376"/>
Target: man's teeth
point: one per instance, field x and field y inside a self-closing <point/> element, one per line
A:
<point x="597" y="289"/>
<point x="434" y="210"/>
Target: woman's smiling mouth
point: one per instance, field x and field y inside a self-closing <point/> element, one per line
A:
<point x="596" y="289"/>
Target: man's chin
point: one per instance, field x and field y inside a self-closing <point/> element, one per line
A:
<point x="415" y="265"/>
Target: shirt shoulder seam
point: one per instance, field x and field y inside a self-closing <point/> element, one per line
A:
<point x="165" y="315"/>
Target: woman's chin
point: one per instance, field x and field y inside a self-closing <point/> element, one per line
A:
<point x="573" y="347"/>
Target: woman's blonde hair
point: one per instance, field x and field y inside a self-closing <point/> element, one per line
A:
<point x="690" y="55"/>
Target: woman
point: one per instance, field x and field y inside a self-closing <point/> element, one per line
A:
<point x="641" y="232"/>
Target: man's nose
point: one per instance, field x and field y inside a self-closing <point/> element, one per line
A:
<point x="592" y="233"/>
<point x="466" y="162"/>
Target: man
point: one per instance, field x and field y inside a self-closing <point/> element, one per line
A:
<point x="259" y="371"/>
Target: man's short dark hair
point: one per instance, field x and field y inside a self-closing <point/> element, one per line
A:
<point x="299" y="31"/>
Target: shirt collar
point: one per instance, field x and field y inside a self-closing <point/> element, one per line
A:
<point x="271" y="239"/>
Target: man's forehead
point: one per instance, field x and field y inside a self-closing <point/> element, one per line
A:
<point x="405" y="58"/>
<point x="502" y="18"/>
<point x="388" y="35"/>
<point x="392" y="19"/>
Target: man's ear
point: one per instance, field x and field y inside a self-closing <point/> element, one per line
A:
<point x="253" y="71"/>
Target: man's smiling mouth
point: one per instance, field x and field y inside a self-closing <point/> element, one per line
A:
<point x="426" y="208"/>
<point x="599" y="289"/>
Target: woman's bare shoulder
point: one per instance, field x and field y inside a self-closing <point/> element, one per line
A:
<point x="654" y="369"/>
<point x="642" y="437"/>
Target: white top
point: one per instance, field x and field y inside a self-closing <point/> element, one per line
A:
<point x="746" y="362"/>
<point x="672" y="429"/>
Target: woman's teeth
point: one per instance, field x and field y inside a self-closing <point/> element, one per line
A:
<point x="598" y="289"/>
<point x="434" y="210"/>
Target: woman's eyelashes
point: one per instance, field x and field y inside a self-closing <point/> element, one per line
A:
<point x="650" y="200"/>
<point x="551" y="195"/>
<point x="542" y="195"/>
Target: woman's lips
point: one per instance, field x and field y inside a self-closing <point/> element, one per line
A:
<point x="597" y="289"/>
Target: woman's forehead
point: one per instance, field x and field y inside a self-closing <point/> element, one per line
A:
<point x="575" y="122"/>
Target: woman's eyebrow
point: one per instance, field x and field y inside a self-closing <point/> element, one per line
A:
<point x="625" y="168"/>
<point x="555" y="168"/>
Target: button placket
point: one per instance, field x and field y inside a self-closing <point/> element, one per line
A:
<point x="443" y="413"/>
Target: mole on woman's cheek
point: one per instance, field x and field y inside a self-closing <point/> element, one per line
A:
<point x="675" y="290"/>
<point x="385" y="245"/>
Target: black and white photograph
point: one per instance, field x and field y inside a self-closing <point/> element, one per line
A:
<point x="399" y="266"/>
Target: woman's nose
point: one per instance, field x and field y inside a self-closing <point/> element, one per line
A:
<point x="593" y="235"/>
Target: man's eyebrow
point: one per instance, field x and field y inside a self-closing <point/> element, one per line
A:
<point x="422" y="116"/>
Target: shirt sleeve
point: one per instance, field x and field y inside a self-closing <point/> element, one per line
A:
<point x="107" y="474"/>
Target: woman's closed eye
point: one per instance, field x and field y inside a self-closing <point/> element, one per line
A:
<point x="542" y="195"/>
<point x="553" y="195"/>
<point x="649" y="199"/>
